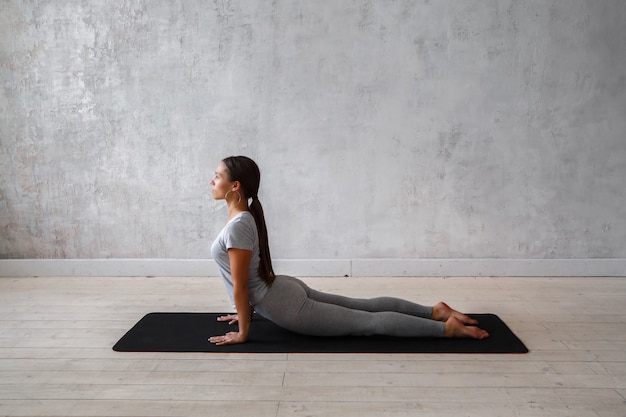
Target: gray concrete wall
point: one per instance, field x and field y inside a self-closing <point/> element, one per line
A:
<point x="396" y="129"/>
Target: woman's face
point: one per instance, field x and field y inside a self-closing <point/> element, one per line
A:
<point x="220" y="184"/>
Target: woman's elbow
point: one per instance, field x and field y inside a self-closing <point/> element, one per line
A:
<point x="240" y="293"/>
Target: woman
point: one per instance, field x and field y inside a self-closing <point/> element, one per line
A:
<point x="242" y="255"/>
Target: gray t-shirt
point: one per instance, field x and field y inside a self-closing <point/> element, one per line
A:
<point x="240" y="233"/>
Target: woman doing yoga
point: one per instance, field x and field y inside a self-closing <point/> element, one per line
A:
<point x="242" y="255"/>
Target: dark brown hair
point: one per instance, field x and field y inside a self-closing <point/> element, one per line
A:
<point x="246" y="171"/>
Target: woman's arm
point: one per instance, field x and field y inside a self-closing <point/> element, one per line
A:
<point x="239" y="266"/>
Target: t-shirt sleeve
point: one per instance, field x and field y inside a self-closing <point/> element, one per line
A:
<point x="240" y="235"/>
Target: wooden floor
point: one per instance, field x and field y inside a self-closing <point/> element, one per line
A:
<point x="56" y="336"/>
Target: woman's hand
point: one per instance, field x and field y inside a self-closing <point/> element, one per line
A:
<point x="231" y="318"/>
<point x="230" y="338"/>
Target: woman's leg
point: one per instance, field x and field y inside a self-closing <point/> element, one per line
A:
<point x="440" y="312"/>
<point x="294" y="306"/>
<point x="377" y="304"/>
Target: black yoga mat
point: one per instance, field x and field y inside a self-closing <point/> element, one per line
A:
<point x="188" y="332"/>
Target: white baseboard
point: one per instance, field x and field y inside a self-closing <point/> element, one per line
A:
<point x="615" y="267"/>
<point x="490" y="267"/>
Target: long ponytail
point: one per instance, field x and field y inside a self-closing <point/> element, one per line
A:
<point x="265" y="265"/>
<point x="246" y="171"/>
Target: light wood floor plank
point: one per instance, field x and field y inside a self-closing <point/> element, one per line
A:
<point x="138" y="408"/>
<point x="418" y="409"/>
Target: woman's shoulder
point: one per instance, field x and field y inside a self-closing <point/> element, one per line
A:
<point x="243" y="220"/>
<point x="241" y="228"/>
<point x="243" y="217"/>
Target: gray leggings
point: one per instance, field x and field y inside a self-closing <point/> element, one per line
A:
<point x="291" y="304"/>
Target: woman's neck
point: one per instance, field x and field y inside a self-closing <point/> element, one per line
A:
<point x="235" y="210"/>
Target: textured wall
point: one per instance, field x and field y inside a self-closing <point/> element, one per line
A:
<point x="397" y="129"/>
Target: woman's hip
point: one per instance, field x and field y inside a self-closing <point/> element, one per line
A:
<point x="285" y="293"/>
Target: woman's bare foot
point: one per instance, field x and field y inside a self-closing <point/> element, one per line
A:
<point x="455" y="328"/>
<point x="442" y="312"/>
